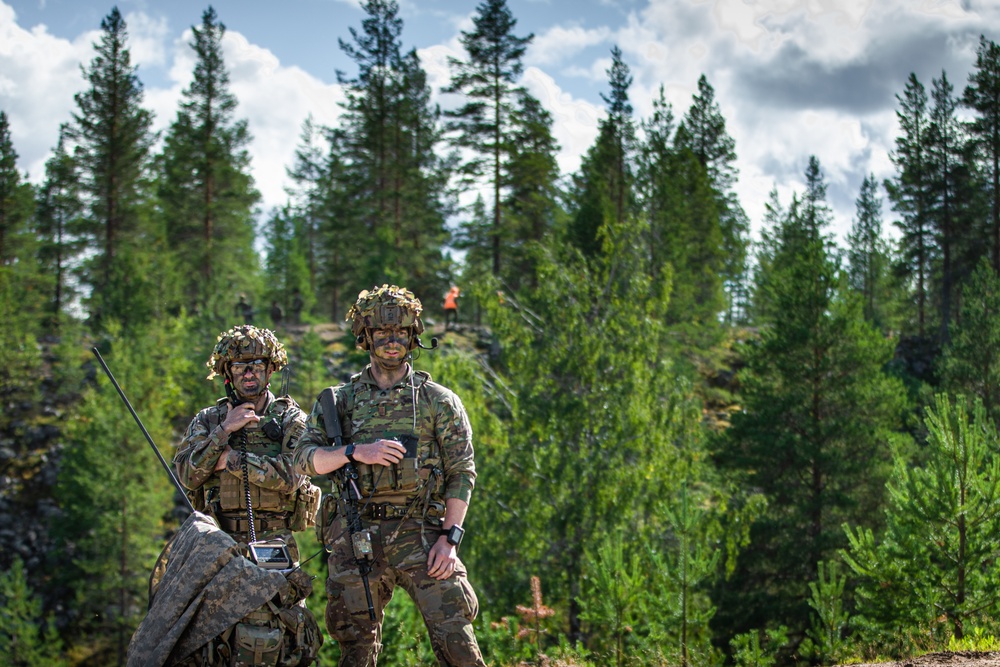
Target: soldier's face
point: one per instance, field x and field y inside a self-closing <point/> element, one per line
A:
<point x="391" y="343"/>
<point x="250" y="377"/>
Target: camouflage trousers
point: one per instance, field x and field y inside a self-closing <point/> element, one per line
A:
<point x="448" y="607"/>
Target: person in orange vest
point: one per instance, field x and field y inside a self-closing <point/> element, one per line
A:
<point x="451" y="306"/>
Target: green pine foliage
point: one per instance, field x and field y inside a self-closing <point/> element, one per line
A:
<point x="982" y="95"/>
<point x="206" y="193"/>
<point x="931" y="571"/>
<point x="113" y="493"/>
<point x="112" y="142"/>
<point x="817" y="411"/>
<point x="487" y="124"/>
<point x="970" y="364"/>
<point x="27" y="638"/>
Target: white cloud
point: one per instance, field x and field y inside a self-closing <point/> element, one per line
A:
<point x="560" y="43"/>
<point x="39" y="74"/>
<point x="575" y="120"/>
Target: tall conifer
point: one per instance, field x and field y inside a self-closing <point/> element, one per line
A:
<point x="911" y="194"/>
<point x="59" y="223"/>
<point x="982" y="94"/>
<point x="811" y="437"/>
<point x="484" y="124"/>
<point x="867" y="252"/>
<point x="206" y="192"/>
<point x="111" y="130"/>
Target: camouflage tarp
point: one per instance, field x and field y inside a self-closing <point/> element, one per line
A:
<point x="200" y="587"/>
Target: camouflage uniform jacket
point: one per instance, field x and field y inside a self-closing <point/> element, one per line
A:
<point x="444" y="467"/>
<point x="273" y="481"/>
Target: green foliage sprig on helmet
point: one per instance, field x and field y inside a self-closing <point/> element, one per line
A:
<point x="385" y="307"/>
<point x="244" y="343"/>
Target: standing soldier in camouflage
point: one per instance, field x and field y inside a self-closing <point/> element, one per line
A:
<point x="240" y="450"/>
<point x="414" y="498"/>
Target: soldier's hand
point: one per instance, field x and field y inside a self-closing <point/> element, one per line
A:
<point x="223" y="459"/>
<point x="380" y="452"/>
<point x="238" y="417"/>
<point x="442" y="559"/>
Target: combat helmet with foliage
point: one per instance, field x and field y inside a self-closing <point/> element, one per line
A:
<point x="244" y="343"/>
<point x="385" y="307"/>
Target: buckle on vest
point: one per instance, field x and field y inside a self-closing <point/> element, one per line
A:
<point x="385" y="511"/>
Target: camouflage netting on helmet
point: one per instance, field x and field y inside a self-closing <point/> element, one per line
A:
<point x="386" y="306"/>
<point x="244" y="343"/>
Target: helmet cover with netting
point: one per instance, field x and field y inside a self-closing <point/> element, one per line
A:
<point x="244" y="343"/>
<point x="385" y="307"/>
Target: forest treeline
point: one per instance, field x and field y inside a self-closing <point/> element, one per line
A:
<point x="694" y="447"/>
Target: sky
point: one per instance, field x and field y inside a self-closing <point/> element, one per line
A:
<point x="793" y="78"/>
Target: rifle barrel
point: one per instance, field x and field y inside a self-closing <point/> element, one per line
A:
<point x="142" y="428"/>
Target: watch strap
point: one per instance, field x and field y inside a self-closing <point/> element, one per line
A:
<point x="349" y="453"/>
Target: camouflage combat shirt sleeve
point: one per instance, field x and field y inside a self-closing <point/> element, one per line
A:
<point x="205" y="440"/>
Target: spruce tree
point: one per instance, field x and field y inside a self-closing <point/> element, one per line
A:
<point x="206" y="191"/>
<point x="982" y="94"/>
<point x="602" y="197"/>
<point x="970" y="364"/>
<point x="817" y="410"/>
<point x="112" y="134"/>
<point x="868" y="254"/>
<point x="486" y="122"/>
<point x="15" y="199"/>
<point x="911" y="194"/>
<point x="703" y="132"/>
<point x="27" y="638"/>
<point x="954" y="204"/>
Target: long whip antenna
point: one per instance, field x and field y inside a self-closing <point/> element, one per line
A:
<point x="142" y="428"/>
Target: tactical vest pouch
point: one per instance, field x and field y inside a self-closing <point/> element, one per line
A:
<point x="302" y="634"/>
<point x="256" y="646"/>
<point x="306" y="505"/>
<point x="233" y="497"/>
<point x="231" y="492"/>
<point x="327" y="512"/>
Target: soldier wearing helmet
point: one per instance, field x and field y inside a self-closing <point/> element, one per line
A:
<point x="240" y="451"/>
<point x="415" y="495"/>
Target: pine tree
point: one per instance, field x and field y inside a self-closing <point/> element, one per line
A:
<point x="59" y="224"/>
<point x="393" y="179"/>
<point x="22" y="285"/>
<point x="867" y="254"/>
<point x="486" y="122"/>
<point x="112" y="134"/>
<point x="206" y="191"/>
<point x="911" y="193"/>
<point x="817" y="410"/>
<point x="532" y="201"/>
<point x="933" y="566"/>
<point x="27" y="638"/>
<point x="982" y="94"/>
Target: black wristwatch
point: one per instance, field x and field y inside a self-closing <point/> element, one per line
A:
<point x="455" y="534"/>
<point x="349" y="453"/>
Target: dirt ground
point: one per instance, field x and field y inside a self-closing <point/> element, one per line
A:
<point x="946" y="659"/>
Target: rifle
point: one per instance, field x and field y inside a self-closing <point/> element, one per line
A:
<point x="177" y="485"/>
<point x="361" y="538"/>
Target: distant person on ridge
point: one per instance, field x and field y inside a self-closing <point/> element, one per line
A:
<point x="451" y="306"/>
